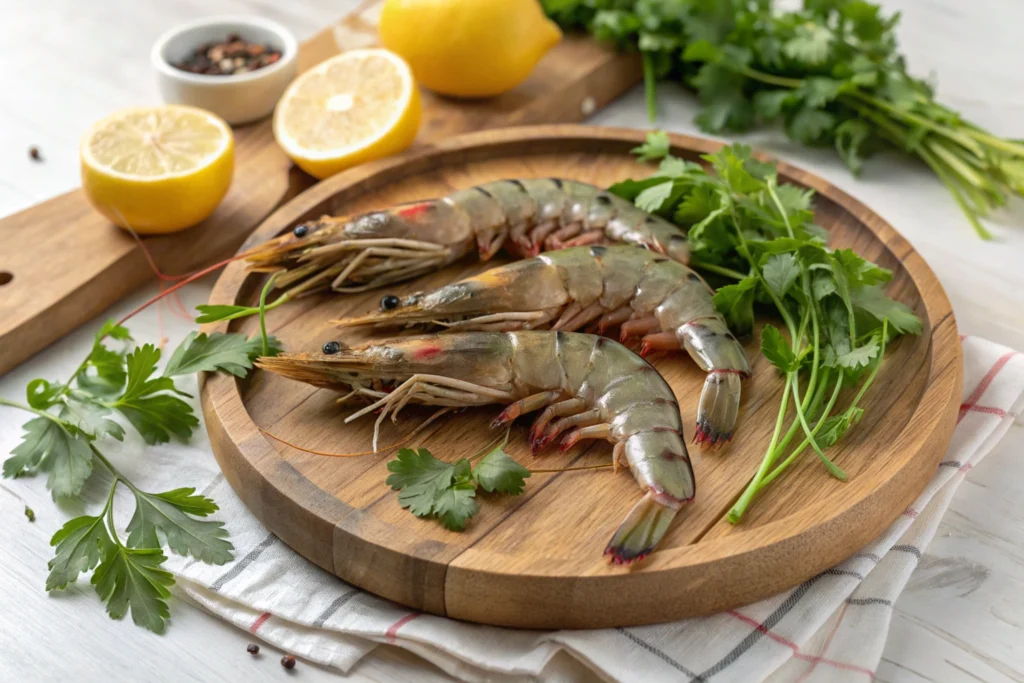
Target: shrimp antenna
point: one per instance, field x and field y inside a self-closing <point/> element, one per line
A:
<point x="405" y="439"/>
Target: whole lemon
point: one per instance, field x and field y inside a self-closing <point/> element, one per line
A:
<point x="468" y="48"/>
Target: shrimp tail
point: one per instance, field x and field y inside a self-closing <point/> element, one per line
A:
<point x="718" y="408"/>
<point x="641" y="531"/>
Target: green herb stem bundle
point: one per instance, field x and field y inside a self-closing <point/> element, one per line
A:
<point x="831" y="72"/>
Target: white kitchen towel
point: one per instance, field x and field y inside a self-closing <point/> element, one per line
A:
<point x="832" y="627"/>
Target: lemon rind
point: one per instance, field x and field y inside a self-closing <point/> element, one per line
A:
<point x="208" y="160"/>
<point x="293" y="149"/>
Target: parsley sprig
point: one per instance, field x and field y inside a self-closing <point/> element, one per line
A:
<point x="831" y="72"/>
<point x="746" y="226"/>
<point x="75" y="418"/>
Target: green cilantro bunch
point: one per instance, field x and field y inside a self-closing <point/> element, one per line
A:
<point x="830" y="72"/>
<point x="74" y="419"/>
<point x="745" y="226"/>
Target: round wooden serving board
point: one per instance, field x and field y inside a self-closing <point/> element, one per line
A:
<point x="536" y="560"/>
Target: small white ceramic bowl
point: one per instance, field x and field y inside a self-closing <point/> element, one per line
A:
<point x="236" y="99"/>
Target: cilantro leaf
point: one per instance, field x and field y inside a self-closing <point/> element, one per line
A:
<point x="80" y="544"/>
<point x="872" y="300"/>
<point x="835" y="427"/>
<point x="736" y="303"/>
<point x="232" y="353"/>
<point x="697" y="205"/>
<point x="651" y="199"/>
<point x="810" y="126"/>
<point x="129" y="578"/>
<point x="811" y="44"/>
<point x="860" y="356"/>
<point x="780" y="272"/>
<point x="497" y="472"/>
<point x="186" y="535"/>
<point x="49" y="447"/>
<point x="674" y="167"/>
<point x="455" y="505"/>
<point x="850" y="138"/>
<point x="656" y="146"/>
<point x="419" y="478"/>
<point x="777" y="350"/>
<point x="155" y="414"/>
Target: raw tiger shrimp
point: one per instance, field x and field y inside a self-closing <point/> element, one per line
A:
<point x="589" y="387"/>
<point x="525" y="216"/>
<point x="647" y="295"/>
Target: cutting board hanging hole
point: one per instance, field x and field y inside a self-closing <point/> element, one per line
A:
<point x="5" y="277"/>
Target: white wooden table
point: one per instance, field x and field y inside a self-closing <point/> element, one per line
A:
<point x="960" y="619"/>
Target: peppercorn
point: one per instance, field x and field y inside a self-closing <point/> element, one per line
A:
<point x="288" y="662"/>
<point x="389" y="303"/>
<point x="301" y="230"/>
<point x="253" y="649"/>
<point x="331" y="348"/>
<point x="234" y="56"/>
<point x="34" y="153"/>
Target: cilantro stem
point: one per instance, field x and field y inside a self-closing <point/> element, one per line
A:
<point x="770" y="79"/>
<point x="717" y="270"/>
<point x="649" y="87"/>
<point x="263" y="313"/>
<point x="800" y="449"/>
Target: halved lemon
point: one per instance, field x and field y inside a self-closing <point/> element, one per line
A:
<point x="157" y="169"/>
<point x="358" y="106"/>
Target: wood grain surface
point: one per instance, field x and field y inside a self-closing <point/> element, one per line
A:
<point x="63" y="263"/>
<point x="535" y="560"/>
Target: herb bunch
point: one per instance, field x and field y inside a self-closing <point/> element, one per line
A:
<point x="746" y="226"/>
<point x="74" y="419"/>
<point x="831" y="72"/>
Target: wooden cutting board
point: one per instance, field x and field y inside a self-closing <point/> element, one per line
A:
<point x="62" y="263"/>
<point x="536" y="560"/>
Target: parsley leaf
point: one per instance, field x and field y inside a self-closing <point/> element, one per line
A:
<point x="129" y="578"/>
<point x="497" y="472"/>
<point x="89" y="417"/>
<point x="186" y="535"/>
<point x="156" y="414"/>
<point x="232" y="353"/>
<point x="80" y="544"/>
<point x="48" y="446"/>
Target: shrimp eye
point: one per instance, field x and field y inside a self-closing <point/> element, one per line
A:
<point x="331" y="348"/>
<point x="389" y="303"/>
<point x="301" y="230"/>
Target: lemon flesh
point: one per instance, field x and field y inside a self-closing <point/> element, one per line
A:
<point x="358" y="106"/>
<point x="468" y="48"/>
<point x="157" y="169"/>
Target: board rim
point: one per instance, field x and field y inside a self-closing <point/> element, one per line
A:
<point x="317" y="524"/>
